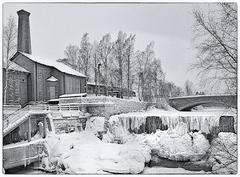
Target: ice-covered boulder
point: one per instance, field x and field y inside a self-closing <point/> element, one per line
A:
<point x="116" y="133"/>
<point x="176" y="144"/>
<point x="84" y="153"/>
<point x="223" y="153"/>
<point x="96" y="124"/>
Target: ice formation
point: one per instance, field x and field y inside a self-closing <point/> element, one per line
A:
<point x="175" y="144"/>
<point x="95" y="124"/>
<point x="149" y="121"/>
<point x="84" y="153"/>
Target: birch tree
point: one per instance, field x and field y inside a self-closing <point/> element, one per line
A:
<point x="9" y="48"/>
<point x="129" y="54"/>
<point x="189" y="88"/>
<point x="71" y="52"/>
<point x="84" y="54"/>
<point x="119" y="49"/>
<point x="104" y="50"/>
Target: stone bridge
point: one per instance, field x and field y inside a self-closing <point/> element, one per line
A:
<point x="186" y="103"/>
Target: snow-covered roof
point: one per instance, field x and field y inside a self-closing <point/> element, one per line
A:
<point x="73" y="95"/>
<point x="15" y="67"/>
<point x="52" y="79"/>
<point x="53" y="63"/>
<point x="93" y="83"/>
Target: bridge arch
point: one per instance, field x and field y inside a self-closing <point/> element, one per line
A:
<point x="188" y="102"/>
<point x="188" y="107"/>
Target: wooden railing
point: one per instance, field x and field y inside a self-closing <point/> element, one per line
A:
<point x="15" y="116"/>
<point x="67" y="110"/>
<point x="10" y="109"/>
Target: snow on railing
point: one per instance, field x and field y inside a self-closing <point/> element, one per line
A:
<point x="72" y="109"/>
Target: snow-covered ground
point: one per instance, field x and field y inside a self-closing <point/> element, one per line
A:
<point x="163" y="170"/>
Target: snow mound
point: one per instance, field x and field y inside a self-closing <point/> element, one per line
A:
<point x="84" y="153"/>
<point x="176" y="144"/>
<point x="223" y="153"/>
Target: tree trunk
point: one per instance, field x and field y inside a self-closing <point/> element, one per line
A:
<point x="128" y="75"/>
<point x="106" y="76"/>
<point x="95" y="74"/>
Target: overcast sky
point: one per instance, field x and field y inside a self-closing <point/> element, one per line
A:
<point x="54" y="26"/>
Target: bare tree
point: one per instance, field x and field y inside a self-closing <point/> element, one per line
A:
<point x="129" y="54"/>
<point x="9" y="48"/>
<point x="189" y="88"/>
<point x="216" y="36"/>
<point x="95" y="62"/>
<point x="84" y="54"/>
<point x="119" y="49"/>
<point x="224" y="154"/>
<point x="72" y="52"/>
<point x="104" y="50"/>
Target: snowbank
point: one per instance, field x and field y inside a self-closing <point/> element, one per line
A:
<point x="223" y="153"/>
<point x="83" y="153"/>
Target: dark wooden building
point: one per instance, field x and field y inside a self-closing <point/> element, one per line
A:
<point x="16" y="90"/>
<point x="48" y="79"/>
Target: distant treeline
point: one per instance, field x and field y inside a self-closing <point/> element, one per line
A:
<point x="118" y="64"/>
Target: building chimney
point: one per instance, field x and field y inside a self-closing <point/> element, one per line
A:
<point x="24" y="40"/>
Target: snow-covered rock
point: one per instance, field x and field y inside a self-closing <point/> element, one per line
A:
<point x="223" y="153"/>
<point x="95" y="124"/>
<point x="176" y="144"/>
<point x="84" y="153"/>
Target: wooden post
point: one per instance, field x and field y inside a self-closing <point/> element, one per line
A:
<point x="29" y="129"/>
<point x="44" y="127"/>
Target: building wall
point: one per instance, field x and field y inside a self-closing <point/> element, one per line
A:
<point x="17" y="92"/>
<point x="30" y="66"/>
<point x="74" y="84"/>
<point x="38" y="85"/>
<point x="43" y="73"/>
<point x="60" y="76"/>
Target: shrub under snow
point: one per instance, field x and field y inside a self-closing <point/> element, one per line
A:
<point x="223" y="153"/>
